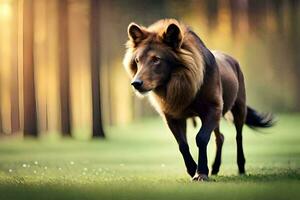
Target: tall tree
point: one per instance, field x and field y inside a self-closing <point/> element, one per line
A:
<point x="1" y="131"/>
<point x="98" y="131"/>
<point x="15" y="119"/>
<point x="1" y="128"/>
<point x="30" y="116"/>
<point x="294" y="44"/>
<point x="64" y="68"/>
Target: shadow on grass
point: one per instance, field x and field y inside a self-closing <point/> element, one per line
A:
<point x="284" y="175"/>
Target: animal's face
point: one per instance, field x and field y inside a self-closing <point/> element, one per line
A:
<point x="154" y="64"/>
<point x="153" y="59"/>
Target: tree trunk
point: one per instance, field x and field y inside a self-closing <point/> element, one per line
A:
<point x="294" y="41"/>
<point x="65" y="105"/>
<point x="95" y="71"/>
<point x="30" y="116"/>
<point x="15" y="119"/>
<point x="1" y="128"/>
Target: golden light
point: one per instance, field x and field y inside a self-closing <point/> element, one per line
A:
<point x="5" y="9"/>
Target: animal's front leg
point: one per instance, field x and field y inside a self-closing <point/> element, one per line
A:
<point x="209" y="123"/>
<point x="178" y="128"/>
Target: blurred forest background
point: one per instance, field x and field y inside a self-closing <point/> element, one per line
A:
<point x="61" y="60"/>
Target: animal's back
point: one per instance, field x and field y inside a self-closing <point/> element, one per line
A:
<point x="231" y="83"/>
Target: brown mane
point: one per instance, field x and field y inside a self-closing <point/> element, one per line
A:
<point x="185" y="82"/>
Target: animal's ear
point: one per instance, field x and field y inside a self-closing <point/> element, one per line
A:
<point x="173" y="36"/>
<point x="135" y="33"/>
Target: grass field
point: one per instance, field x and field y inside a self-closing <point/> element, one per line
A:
<point x="142" y="161"/>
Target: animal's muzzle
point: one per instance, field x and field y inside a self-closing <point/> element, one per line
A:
<point x="137" y="84"/>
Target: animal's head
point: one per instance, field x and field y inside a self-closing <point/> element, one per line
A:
<point x="151" y="54"/>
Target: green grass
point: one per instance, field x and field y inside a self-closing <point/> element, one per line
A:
<point x="142" y="161"/>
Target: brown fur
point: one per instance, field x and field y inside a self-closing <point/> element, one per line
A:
<point x="185" y="79"/>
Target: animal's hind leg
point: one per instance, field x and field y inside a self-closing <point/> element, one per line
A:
<point x="219" y="143"/>
<point x="239" y="115"/>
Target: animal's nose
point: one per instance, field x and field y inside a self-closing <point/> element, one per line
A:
<point x="137" y="83"/>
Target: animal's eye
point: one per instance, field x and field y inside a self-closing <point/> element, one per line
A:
<point x="155" y="60"/>
<point x="136" y="60"/>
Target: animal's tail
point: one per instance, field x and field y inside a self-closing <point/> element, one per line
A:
<point x="255" y="119"/>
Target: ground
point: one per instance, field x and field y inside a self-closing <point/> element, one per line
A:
<point x="142" y="161"/>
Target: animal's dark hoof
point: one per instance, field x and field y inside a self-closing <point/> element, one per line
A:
<point x="192" y="170"/>
<point x="192" y="174"/>
<point x="200" y="177"/>
<point x="242" y="173"/>
<point x="215" y="172"/>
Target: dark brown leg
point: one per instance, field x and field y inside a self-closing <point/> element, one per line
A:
<point x="239" y="113"/>
<point x="219" y="143"/>
<point x="178" y="128"/>
<point x="209" y="123"/>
